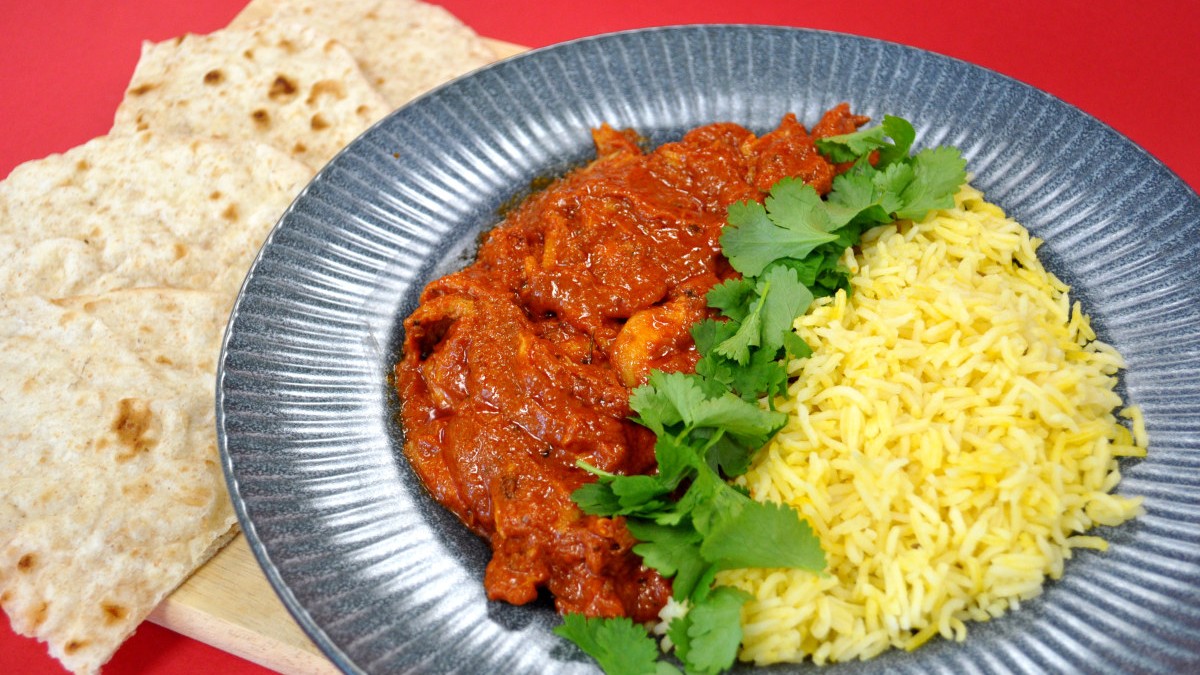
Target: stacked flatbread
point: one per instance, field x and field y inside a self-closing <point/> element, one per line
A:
<point x="119" y="262"/>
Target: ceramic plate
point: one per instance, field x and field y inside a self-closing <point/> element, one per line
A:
<point x="384" y="580"/>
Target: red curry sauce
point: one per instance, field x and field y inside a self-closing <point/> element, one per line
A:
<point x="521" y="364"/>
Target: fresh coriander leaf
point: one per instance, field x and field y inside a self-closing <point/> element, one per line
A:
<point x="707" y="334"/>
<point x="831" y="274"/>
<point x="733" y="297"/>
<point x="716" y="368"/>
<point x="857" y="204"/>
<point x="821" y="271"/>
<point x="763" y="534"/>
<point x="739" y="417"/>
<point x="653" y="410"/>
<point x="666" y="399"/>
<point x="618" y="645"/>
<point x="706" y="493"/>
<point x="849" y="147"/>
<point x="728" y="457"/>
<point x="675" y="552"/>
<point x="890" y="186"/>
<point x="679" y="513"/>
<point x="787" y="299"/>
<point x="597" y="499"/>
<point x="848" y="236"/>
<point x="865" y="196"/>
<point x="831" y="281"/>
<point x="937" y="175"/>
<point x="791" y="201"/>
<point x="898" y="186"/>
<point x="676" y="460"/>
<point x="616" y="495"/>
<point x="808" y="268"/>
<point x="707" y="638"/>
<point x="752" y="241"/>
<point x="781" y="298"/>
<point x="796" y="346"/>
<point x="639" y="494"/>
<point x="700" y="492"/>
<point x="744" y="491"/>
<point x="682" y="392"/>
<point x="855" y="197"/>
<point x="711" y="389"/>
<point x="749" y="239"/>
<point x="748" y="335"/>
<point x="762" y="376"/>
<point x="906" y="188"/>
<point x="665" y="546"/>
<point x="721" y="502"/>
<point x="678" y="632"/>
<point x="902" y="135"/>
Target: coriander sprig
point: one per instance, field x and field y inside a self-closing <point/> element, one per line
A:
<point x="690" y="521"/>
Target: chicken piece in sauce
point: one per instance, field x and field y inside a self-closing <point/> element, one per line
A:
<point x="521" y="364"/>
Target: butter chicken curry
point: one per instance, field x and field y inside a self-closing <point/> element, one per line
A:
<point x="521" y="364"/>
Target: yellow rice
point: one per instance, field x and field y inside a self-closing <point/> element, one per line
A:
<point x="950" y="439"/>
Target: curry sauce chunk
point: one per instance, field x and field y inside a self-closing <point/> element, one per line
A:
<point x="521" y="364"/>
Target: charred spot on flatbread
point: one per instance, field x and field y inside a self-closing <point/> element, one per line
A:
<point x="135" y="428"/>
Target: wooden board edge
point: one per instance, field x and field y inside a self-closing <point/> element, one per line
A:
<point x="229" y="604"/>
<point x="256" y="647"/>
<point x="503" y="49"/>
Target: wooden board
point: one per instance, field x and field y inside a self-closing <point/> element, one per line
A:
<point x="228" y="602"/>
<point x="503" y="49"/>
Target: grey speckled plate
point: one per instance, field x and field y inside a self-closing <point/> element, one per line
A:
<point x="384" y="580"/>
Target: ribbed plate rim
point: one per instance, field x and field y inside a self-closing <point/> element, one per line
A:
<point x="260" y="548"/>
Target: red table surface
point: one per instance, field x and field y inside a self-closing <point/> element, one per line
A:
<point x="64" y="66"/>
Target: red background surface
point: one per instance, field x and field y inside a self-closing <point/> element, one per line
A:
<point x="1133" y="65"/>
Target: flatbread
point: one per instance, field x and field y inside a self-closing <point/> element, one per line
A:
<point x="404" y="47"/>
<point x="113" y="487"/>
<point x="142" y="210"/>
<point x="277" y="83"/>
<point x="119" y="262"/>
<point x="113" y="492"/>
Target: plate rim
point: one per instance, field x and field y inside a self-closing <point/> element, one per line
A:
<point x="256" y="544"/>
